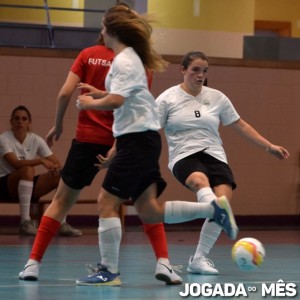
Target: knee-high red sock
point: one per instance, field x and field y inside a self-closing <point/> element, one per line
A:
<point x="157" y="236"/>
<point x="47" y="230"/>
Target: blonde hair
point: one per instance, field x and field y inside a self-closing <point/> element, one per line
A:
<point x="134" y="30"/>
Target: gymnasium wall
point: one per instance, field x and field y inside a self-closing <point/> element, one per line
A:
<point x="265" y="94"/>
<point x="217" y="27"/>
<point x="38" y="16"/>
<point x="280" y="10"/>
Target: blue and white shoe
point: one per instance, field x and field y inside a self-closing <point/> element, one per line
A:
<point x="224" y="217"/>
<point x="100" y="276"/>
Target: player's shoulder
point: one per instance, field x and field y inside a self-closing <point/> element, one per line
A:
<point x="213" y="93"/>
<point x="34" y="137"/>
<point x="208" y="89"/>
<point x="6" y="135"/>
<point x="169" y="93"/>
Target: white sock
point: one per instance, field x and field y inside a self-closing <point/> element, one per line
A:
<point x="110" y="235"/>
<point x="183" y="211"/>
<point x="206" y="195"/>
<point x="208" y="236"/>
<point x="25" y="189"/>
<point x="210" y="230"/>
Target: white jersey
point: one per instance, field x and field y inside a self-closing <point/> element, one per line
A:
<point x="32" y="147"/>
<point x="127" y="77"/>
<point x="191" y="124"/>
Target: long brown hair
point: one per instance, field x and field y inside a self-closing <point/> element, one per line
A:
<point x="133" y="30"/>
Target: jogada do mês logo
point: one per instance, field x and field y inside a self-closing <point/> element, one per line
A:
<point x="267" y="290"/>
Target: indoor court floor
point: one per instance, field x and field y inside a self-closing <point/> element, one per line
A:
<point x="279" y="276"/>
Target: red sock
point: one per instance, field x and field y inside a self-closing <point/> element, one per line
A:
<point x="157" y="236"/>
<point x="47" y="230"/>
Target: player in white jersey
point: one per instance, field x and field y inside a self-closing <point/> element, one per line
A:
<point x="20" y="152"/>
<point x="134" y="171"/>
<point x="190" y="114"/>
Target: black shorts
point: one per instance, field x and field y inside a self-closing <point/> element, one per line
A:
<point x="217" y="171"/>
<point x="135" y="166"/>
<point x="4" y="193"/>
<point x="79" y="169"/>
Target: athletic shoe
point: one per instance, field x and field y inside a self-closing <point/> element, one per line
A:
<point x="67" y="230"/>
<point x="30" y="272"/>
<point x="28" y="228"/>
<point x="224" y="216"/>
<point x="201" y="265"/>
<point x="165" y="272"/>
<point x="100" y="276"/>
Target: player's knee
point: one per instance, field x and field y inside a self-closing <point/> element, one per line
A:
<point x="196" y="181"/>
<point x="151" y="216"/>
<point x="54" y="181"/>
<point x="27" y="173"/>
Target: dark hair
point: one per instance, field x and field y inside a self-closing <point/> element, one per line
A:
<point x="21" y="107"/>
<point x="190" y="56"/>
<point x="100" y="40"/>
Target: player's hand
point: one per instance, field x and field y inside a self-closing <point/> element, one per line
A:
<point x="87" y="88"/>
<point x="53" y="133"/>
<point x="278" y="151"/>
<point x="103" y="161"/>
<point x="84" y="102"/>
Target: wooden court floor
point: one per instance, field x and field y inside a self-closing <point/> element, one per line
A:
<point x="65" y="260"/>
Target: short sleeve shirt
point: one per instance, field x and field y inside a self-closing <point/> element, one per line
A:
<point x="127" y="77"/>
<point x="32" y="147"/>
<point x="91" y="66"/>
<point x="191" y="124"/>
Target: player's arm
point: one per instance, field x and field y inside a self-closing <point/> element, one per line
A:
<point x="53" y="164"/>
<point x="98" y="95"/>
<point x="16" y="163"/>
<point x="252" y="135"/>
<point x="62" y="103"/>
<point x="108" y="102"/>
<point x="104" y="161"/>
<point x="87" y="88"/>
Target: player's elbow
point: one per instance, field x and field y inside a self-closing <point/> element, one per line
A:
<point x="116" y="101"/>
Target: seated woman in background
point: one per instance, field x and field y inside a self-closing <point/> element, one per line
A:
<point x="20" y="152"/>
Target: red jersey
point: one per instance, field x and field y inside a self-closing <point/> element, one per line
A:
<point x="91" y="66"/>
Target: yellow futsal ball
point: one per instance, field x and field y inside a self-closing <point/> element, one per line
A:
<point x="248" y="254"/>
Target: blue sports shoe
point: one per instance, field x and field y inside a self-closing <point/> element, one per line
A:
<point x="100" y="276"/>
<point x="224" y="216"/>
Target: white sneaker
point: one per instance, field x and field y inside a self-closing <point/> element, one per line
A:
<point x="30" y="271"/>
<point x="165" y="272"/>
<point x="201" y="265"/>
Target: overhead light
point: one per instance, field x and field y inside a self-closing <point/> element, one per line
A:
<point x="196" y="8"/>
